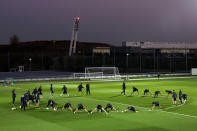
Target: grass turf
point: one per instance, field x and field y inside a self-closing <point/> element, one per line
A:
<point x="175" y="118"/>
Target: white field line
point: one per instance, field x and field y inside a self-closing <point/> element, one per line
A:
<point x="148" y="109"/>
<point x="145" y="109"/>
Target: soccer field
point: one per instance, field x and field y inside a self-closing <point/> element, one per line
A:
<point x="176" y="118"/>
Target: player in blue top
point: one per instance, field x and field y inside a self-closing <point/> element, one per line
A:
<point x="51" y="89"/>
<point x="135" y="90"/>
<point x="174" y="96"/>
<point x="81" y="107"/>
<point x="180" y="97"/>
<point x="123" y="88"/>
<point x="67" y="106"/>
<point x="13" y="96"/>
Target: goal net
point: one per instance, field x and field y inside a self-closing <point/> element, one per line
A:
<point x="88" y="75"/>
<point x="107" y="72"/>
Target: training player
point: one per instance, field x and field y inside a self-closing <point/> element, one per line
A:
<point x="13" y="96"/>
<point x="64" y="91"/>
<point x="23" y="103"/>
<point x="52" y="104"/>
<point x="155" y="104"/>
<point x="174" y="96"/>
<point x="68" y="106"/>
<point x="158" y="75"/>
<point x="110" y="107"/>
<point x="135" y="90"/>
<point x="146" y="92"/>
<point x="51" y="89"/>
<point x="184" y="96"/>
<point x="34" y="92"/>
<point x="123" y="88"/>
<point x="169" y="92"/>
<point x="27" y="97"/>
<point x="80" y="107"/>
<point x="157" y="93"/>
<point x="180" y="96"/>
<point x="87" y="89"/>
<point x="40" y="90"/>
<point x="98" y="108"/>
<point x="130" y="108"/>
<point x="37" y="97"/>
<point x="80" y="87"/>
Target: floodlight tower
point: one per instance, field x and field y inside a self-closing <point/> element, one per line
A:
<point x="74" y="36"/>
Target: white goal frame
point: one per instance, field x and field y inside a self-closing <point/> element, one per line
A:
<point x="113" y="71"/>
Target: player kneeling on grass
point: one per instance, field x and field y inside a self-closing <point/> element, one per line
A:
<point x="80" y="107"/>
<point x="130" y="108"/>
<point x="157" y="93"/>
<point x="146" y="92"/>
<point x="184" y="96"/>
<point x="155" y="104"/>
<point x="169" y="92"/>
<point x="68" y="106"/>
<point x="98" y="108"/>
<point x="110" y="107"/>
<point x="135" y="90"/>
<point x="64" y="91"/>
<point x="52" y="104"/>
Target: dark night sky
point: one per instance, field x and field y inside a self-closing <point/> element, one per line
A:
<point x="101" y="20"/>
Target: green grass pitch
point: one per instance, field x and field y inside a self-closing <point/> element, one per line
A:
<point x="170" y="118"/>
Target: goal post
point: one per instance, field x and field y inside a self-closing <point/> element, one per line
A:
<point x="88" y="75"/>
<point x="108" y="72"/>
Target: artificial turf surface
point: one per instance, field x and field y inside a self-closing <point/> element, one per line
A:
<point x="169" y="118"/>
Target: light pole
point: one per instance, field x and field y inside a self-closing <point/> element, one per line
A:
<point x="30" y="64"/>
<point x="127" y="61"/>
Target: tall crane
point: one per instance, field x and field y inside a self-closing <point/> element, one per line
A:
<point x="75" y="31"/>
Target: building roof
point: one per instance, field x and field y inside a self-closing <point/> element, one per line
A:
<point x="161" y="45"/>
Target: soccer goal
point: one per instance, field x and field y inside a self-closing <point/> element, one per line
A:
<point x="107" y="72"/>
<point x="88" y="75"/>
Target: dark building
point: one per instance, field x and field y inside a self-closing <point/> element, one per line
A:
<point x="134" y="57"/>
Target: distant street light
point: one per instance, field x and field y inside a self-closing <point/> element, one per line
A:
<point x="30" y="64"/>
<point x="127" y="61"/>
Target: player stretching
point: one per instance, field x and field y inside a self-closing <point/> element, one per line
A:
<point x="155" y="104"/>
<point x="52" y="104"/>
<point x="87" y="89"/>
<point x="80" y="107"/>
<point x="64" y="91"/>
<point x="123" y="88"/>
<point x="51" y="89"/>
<point x="184" y="96"/>
<point x="146" y="92"/>
<point x="174" y="96"/>
<point x="68" y="106"/>
<point x="130" y="108"/>
<point x="169" y="92"/>
<point x="98" y="108"/>
<point x="157" y="93"/>
<point x="135" y="90"/>
<point x="110" y="107"/>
